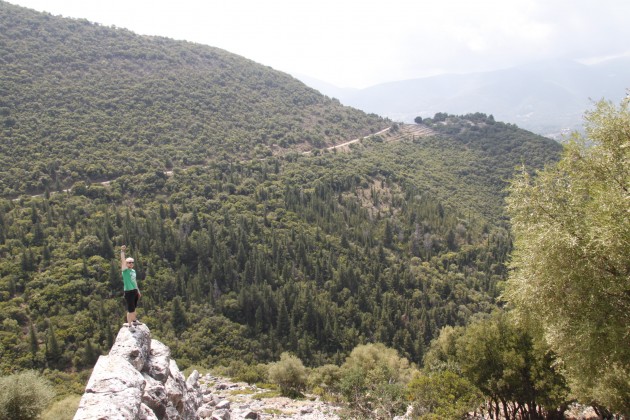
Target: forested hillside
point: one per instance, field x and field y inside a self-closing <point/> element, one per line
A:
<point x="313" y="254"/>
<point x="250" y="247"/>
<point x="80" y="101"/>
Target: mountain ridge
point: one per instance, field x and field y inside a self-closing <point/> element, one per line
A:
<point x="545" y="97"/>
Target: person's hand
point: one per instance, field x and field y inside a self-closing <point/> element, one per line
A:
<point x="139" y="294"/>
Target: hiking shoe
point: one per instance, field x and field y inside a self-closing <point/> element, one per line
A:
<point x="136" y="322"/>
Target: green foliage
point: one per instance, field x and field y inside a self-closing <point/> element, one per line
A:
<point x="442" y="352"/>
<point x="260" y="266"/>
<point x="289" y="374"/>
<point x="442" y="395"/>
<point x="570" y="278"/>
<point x="324" y="380"/>
<point x="64" y="409"/>
<point x="178" y="316"/>
<point x="24" y="395"/>
<point x="250" y="373"/>
<point x="258" y="373"/>
<point x="373" y="380"/>
<point x="84" y="102"/>
<point x="514" y="371"/>
<point x="67" y="383"/>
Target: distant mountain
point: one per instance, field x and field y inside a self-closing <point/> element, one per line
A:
<point x="544" y="97"/>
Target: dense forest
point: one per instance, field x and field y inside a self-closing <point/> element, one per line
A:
<point x="74" y="94"/>
<point x="246" y="246"/>
<point x="313" y="254"/>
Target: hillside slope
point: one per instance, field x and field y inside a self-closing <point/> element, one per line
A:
<point x="248" y="249"/>
<point x="88" y="102"/>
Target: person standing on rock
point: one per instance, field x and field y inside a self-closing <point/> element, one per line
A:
<point x="132" y="292"/>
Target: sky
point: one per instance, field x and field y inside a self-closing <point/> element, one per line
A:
<point x="361" y="43"/>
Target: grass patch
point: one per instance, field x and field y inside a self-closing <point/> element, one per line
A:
<point x="247" y="391"/>
<point x="265" y="385"/>
<point x="64" y="409"/>
<point x="273" y="411"/>
<point x="267" y="394"/>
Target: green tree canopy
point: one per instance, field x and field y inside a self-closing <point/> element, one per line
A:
<point x="571" y="266"/>
<point x="289" y="373"/>
<point x="514" y="370"/>
<point x="442" y="395"/>
<point x="24" y="395"/>
<point x="373" y="379"/>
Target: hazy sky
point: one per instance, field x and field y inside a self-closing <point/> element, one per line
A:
<point x="359" y="43"/>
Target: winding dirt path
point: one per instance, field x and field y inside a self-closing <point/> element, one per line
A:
<point x="404" y="131"/>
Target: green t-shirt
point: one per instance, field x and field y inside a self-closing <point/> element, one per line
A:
<point x="129" y="279"/>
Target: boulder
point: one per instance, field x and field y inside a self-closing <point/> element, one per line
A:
<point x="194" y="395"/>
<point x="205" y="411"/>
<point x="139" y="380"/>
<point x="176" y="387"/>
<point x="114" y="391"/>
<point x="134" y="344"/>
<point x="155" y="396"/>
<point x="147" y="414"/>
<point x="159" y="360"/>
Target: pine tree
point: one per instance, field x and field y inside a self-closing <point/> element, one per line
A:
<point x="178" y="316"/>
<point x="54" y="351"/>
<point x="90" y="354"/>
<point x="34" y="343"/>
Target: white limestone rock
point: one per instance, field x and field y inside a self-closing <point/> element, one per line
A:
<point x="176" y="387"/>
<point x="159" y="360"/>
<point x="114" y="391"/>
<point x="155" y="396"/>
<point x="134" y="344"/>
<point x="139" y="380"/>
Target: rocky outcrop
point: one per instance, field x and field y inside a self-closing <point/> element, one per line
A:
<point x="139" y="380"/>
<point x="225" y="399"/>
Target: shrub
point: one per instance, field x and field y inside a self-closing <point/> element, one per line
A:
<point x="373" y="381"/>
<point x="325" y="379"/>
<point x="24" y="395"/>
<point x="442" y="395"/>
<point x="253" y="374"/>
<point x="289" y="374"/>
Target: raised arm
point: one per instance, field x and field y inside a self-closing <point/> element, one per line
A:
<point x="123" y="263"/>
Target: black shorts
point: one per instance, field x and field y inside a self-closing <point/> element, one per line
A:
<point x="131" y="297"/>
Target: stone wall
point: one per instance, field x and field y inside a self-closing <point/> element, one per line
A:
<point x="139" y="380"/>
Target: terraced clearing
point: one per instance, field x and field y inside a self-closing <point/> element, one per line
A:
<point x="405" y="131"/>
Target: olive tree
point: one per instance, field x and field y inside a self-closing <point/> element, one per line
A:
<point x="289" y="374"/>
<point x="24" y="395"/>
<point x="373" y="380"/>
<point x="513" y="369"/>
<point x="571" y="264"/>
<point x="442" y="395"/>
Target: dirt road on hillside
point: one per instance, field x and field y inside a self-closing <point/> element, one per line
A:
<point x="404" y="131"/>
